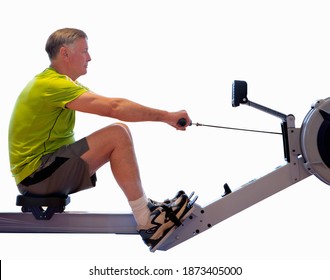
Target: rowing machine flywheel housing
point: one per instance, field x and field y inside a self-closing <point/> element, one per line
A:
<point x="315" y="140"/>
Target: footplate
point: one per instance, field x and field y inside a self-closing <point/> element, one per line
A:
<point x="188" y="211"/>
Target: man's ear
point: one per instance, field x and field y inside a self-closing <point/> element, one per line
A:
<point x="64" y="52"/>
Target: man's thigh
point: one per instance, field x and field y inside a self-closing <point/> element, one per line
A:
<point x="103" y="142"/>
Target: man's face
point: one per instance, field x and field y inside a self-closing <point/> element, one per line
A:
<point x="78" y="57"/>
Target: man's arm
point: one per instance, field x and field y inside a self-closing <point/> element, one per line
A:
<point x="125" y="110"/>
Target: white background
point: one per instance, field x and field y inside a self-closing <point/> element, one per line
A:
<point x="184" y="55"/>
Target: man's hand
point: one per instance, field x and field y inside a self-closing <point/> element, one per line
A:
<point x="176" y="120"/>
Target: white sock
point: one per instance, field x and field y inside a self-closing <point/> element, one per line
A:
<point x="140" y="210"/>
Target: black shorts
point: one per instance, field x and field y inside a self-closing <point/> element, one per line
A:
<point x="60" y="173"/>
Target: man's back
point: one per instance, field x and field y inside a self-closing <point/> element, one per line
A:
<point x="40" y="122"/>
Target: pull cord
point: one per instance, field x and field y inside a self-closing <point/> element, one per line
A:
<point x="235" y="128"/>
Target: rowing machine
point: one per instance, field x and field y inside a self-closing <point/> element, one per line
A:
<point x="305" y="153"/>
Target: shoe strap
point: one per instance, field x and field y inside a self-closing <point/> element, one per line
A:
<point x="170" y="214"/>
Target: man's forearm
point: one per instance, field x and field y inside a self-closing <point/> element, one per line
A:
<point x="127" y="110"/>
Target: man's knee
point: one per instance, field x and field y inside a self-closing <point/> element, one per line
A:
<point x="120" y="125"/>
<point x="104" y="141"/>
<point x="121" y="128"/>
<point x="111" y="135"/>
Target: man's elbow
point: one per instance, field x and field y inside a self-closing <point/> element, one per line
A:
<point x="113" y="108"/>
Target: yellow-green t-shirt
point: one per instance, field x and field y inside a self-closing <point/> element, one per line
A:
<point x="40" y="122"/>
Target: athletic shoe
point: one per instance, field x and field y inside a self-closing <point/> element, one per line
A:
<point x="168" y="201"/>
<point x="162" y="219"/>
<point x="179" y="193"/>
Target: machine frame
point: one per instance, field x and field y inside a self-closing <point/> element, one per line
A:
<point x="302" y="159"/>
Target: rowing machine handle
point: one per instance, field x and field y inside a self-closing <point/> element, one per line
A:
<point x="182" y="122"/>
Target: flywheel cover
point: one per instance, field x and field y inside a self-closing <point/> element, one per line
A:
<point x="315" y="140"/>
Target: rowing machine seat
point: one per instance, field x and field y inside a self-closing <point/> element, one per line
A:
<point x="42" y="208"/>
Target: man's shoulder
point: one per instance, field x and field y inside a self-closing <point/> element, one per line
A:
<point x="50" y="74"/>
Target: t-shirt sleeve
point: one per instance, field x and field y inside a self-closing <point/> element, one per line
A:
<point x="62" y="91"/>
